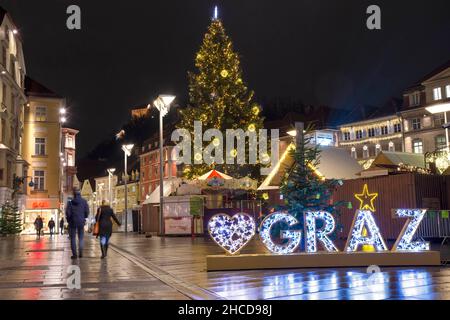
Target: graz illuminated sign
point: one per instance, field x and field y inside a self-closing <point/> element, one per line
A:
<point x="234" y="233"/>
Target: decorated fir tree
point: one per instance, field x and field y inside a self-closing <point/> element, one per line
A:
<point x="303" y="187"/>
<point x="10" y="221"/>
<point x="219" y="98"/>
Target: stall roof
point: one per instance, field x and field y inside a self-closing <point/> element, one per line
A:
<point x="169" y="188"/>
<point x="335" y="163"/>
<point x="214" y="174"/>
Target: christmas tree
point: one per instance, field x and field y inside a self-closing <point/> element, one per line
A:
<point x="219" y="98"/>
<point x="303" y="187"/>
<point x="10" y="222"/>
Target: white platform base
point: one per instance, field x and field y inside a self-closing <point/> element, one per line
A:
<point x="321" y="260"/>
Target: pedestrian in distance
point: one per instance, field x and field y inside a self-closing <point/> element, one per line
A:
<point x="61" y="226"/>
<point x="39" y="225"/>
<point x="104" y="217"/>
<point x="51" y="226"/>
<point x="77" y="211"/>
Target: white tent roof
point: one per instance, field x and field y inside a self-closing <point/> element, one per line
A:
<point x="169" y="188"/>
<point x="335" y="163"/>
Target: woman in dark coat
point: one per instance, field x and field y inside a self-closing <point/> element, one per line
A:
<point x="104" y="216"/>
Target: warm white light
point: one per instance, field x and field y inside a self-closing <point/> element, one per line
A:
<point x="63" y="119"/>
<point x="111" y="171"/>
<point x="62" y="111"/>
<point x="163" y="102"/>
<point x="292" y="133"/>
<point x="15" y="31"/>
<point x="439" y="108"/>
<point x="127" y="149"/>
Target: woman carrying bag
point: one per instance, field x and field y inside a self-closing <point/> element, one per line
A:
<point x="103" y="226"/>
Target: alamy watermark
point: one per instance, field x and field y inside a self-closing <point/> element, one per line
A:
<point x="74" y="279"/>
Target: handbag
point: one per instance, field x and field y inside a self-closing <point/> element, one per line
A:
<point x="96" y="229"/>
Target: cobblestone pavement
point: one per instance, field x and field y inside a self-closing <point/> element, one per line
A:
<point x="174" y="268"/>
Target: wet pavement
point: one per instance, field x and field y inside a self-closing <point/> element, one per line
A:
<point x="175" y="268"/>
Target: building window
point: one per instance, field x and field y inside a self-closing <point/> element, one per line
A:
<point x="441" y="143"/>
<point x="39" y="180"/>
<point x="439" y="120"/>
<point x="366" y="153"/>
<point x="359" y="134"/>
<point x="70" y="161"/>
<point x="39" y="147"/>
<point x="418" y="146"/>
<point x="377" y="149"/>
<point x="346" y="136"/>
<point x="391" y="147"/>
<point x="354" y="154"/>
<point x="371" y="132"/>
<point x="437" y="94"/>
<point x="41" y="114"/>
<point x="397" y="128"/>
<point x="415" y="99"/>
<point x="384" y="130"/>
<point x="416" y="124"/>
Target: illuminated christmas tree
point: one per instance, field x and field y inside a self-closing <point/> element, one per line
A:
<point x="219" y="98"/>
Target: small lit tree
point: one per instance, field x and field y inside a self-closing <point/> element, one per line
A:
<point x="10" y="221"/>
<point x="303" y="187"/>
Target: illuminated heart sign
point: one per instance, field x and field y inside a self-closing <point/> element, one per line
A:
<point x="232" y="234"/>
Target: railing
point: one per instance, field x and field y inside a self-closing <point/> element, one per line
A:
<point x="434" y="226"/>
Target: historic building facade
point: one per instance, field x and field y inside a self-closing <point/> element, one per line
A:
<point x="366" y="139"/>
<point x="42" y="151"/>
<point x="424" y="132"/>
<point x="12" y="107"/>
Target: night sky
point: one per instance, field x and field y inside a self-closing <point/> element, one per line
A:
<point x="318" y="51"/>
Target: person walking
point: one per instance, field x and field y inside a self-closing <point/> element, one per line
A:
<point x="51" y="226"/>
<point x="39" y="225"/>
<point x="77" y="211"/>
<point x="61" y="226"/>
<point x="104" y="217"/>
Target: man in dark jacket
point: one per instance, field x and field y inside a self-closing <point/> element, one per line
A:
<point x="61" y="226"/>
<point x="51" y="226"/>
<point x="77" y="212"/>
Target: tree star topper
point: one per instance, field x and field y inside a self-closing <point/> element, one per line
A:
<point x="366" y="199"/>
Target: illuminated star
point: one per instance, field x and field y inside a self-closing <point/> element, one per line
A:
<point x="366" y="199"/>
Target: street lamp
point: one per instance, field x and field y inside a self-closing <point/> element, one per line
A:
<point x="127" y="151"/>
<point x="442" y="108"/>
<point x="110" y="175"/>
<point x="162" y="103"/>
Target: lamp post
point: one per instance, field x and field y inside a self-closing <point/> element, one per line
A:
<point x="162" y="103"/>
<point x="127" y="152"/>
<point x="110" y="176"/>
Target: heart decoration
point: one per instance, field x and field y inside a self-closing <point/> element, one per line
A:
<point x="232" y="233"/>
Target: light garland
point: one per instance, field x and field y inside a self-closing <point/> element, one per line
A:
<point x="371" y="140"/>
<point x="364" y="219"/>
<point x="414" y="218"/>
<point x="312" y="234"/>
<point x="294" y="237"/>
<point x="232" y="234"/>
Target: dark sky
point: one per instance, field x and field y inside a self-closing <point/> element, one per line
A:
<point x="319" y="51"/>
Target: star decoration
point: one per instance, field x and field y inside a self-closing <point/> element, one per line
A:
<point x="366" y="199"/>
